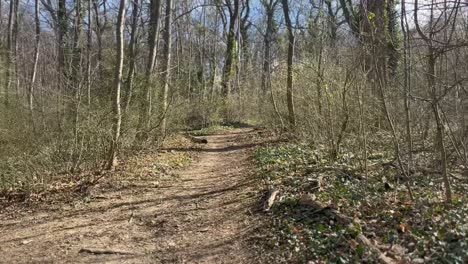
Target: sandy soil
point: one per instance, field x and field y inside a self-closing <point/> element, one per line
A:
<point x="207" y="216"/>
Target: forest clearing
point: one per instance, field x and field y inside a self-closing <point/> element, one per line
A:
<point x="233" y="131"/>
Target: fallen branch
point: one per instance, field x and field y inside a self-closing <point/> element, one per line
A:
<point x="364" y="240"/>
<point x="197" y="140"/>
<point x="270" y="199"/>
<point x="98" y="251"/>
<point x="84" y="184"/>
<point x="375" y="250"/>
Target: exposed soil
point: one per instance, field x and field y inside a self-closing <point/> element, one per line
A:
<point x="207" y="215"/>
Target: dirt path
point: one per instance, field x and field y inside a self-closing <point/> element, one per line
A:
<point x="205" y="217"/>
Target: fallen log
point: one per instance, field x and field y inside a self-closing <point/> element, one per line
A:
<point x="200" y="140"/>
<point x="196" y="139"/>
<point x="97" y="251"/>
<point x="375" y="250"/>
<point x="270" y="199"/>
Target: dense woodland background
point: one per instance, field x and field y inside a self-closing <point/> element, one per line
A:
<point x="84" y="80"/>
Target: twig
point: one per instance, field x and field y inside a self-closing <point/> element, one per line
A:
<point x="98" y="251"/>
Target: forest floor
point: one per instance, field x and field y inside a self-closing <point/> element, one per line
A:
<point x="201" y="213"/>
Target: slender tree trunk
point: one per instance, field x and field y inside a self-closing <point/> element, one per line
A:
<point x="89" y="46"/>
<point x="407" y="84"/>
<point x="320" y="76"/>
<point x="62" y="29"/>
<point x="267" y="42"/>
<point x="396" y="144"/>
<point x="1" y="16"/>
<point x="392" y="41"/>
<point x="244" y="27"/>
<point x="117" y="119"/>
<point x="203" y="55"/>
<point x="230" y="45"/>
<point x="273" y="102"/>
<point x="15" y="52"/>
<point x="380" y="81"/>
<point x="332" y="23"/>
<point x="145" y="104"/>
<point x="431" y="82"/>
<point x="98" y="35"/>
<point x="166" y="66"/>
<point x="289" y="87"/>
<point x="35" y="61"/>
<point x="75" y="83"/>
<point x="131" y="56"/>
<point x="76" y="70"/>
<point x="361" y="97"/>
<point x="9" y="52"/>
<point x="266" y="56"/>
<point x="440" y="144"/>
<point x="101" y="25"/>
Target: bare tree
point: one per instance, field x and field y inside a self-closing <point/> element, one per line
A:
<point x="145" y="103"/>
<point x="132" y="55"/>
<point x="166" y="66"/>
<point x="269" y="6"/>
<point x="407" y="82"/>
<point x="435" y="49"/>
<point x="101" y="25"/>
<point x="35" y="59"/>
<point x="89" y="46"/>
<point x="289" y="84"/>
<point x="268" y="40"/>
<point x="10" y="58"/>
<point x="116" y="108"/>
<point x="62" y="34"/>
<point x="233" y="11"/>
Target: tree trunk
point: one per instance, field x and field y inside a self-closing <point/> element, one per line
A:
<point x="131" y="56"/>
<point x="117" y="119"/>
<point x="35" y="61"/>
<point x="76" y="71"/>
<point x="9" y="50"/>
<point x="15" y="51"/>
<point x="396" y="144"/>
<point x="101" y="25"/>
<point x="62" y="29"/>
<point x="289" y="85"/>
<point x="145" y="104"/>
<point x="166" y="66"/>
<point x="407" y="83"/>
<point x="332" y="22"/>
<point x="431" y="82"/>
<point x="98" y="30"/>
<point x="230" y="46"/>
<point x="440" y="145"/>
<point x="267" y="42"/>
<point x="88" y="53"/>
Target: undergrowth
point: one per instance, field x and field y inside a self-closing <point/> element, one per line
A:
<point x="150" y="164"/>
<point x="304" y="230"/>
